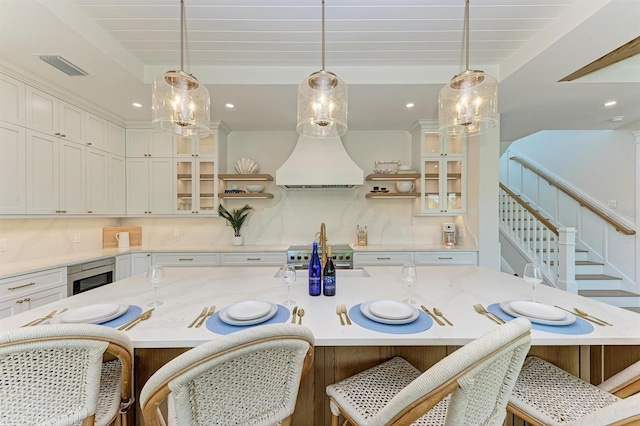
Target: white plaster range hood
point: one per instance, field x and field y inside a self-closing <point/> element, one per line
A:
<point x="319" y="163"/>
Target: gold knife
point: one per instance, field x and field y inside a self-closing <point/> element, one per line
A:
<point x="212" y="310"/>
<point x="436" y="319"/>
<point x="136" y="319"/>
<point x="582" y="316"/>
<point x="293" y="314"/>
<point x="202" y="313"/>
<point x="40" y="320"/>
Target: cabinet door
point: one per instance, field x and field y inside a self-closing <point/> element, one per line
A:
<point x="382" y="259"/>
<point x="71" y="122"/>
<point x="185" y="173"/>
<point x="137" y="143"/>
<point x="160" y="187"/>
<point x="184" y="147"/>
<point x="12" y="100"/>
<point x="137" y="186"/>
<point x="123" y="267"/>
<point x="206" y="187"/>
<point x="97" y="132"/>
<point x="116" y="187"/>
<point x="161" y="144"/>
<point x="72" y="178"/>
<point x="97" y="182"/>
<point x="12" y="169"/>
<point x="140" y="263"/>
<point x="43" y="181"/>
<point x="10" y="307"/>
<point x="454" y="186"/>
<point x="41" y="111"/>
<point x="44" y="297"/>
<point x="116" y="140"/>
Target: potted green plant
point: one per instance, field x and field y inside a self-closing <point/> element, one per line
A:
<point x="236" y="218"/>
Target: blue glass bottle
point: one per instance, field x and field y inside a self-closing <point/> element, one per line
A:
<point x="315" y="272"/>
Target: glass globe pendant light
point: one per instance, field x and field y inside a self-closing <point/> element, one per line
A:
<point x="468" y="104"/>
<point x="179" y="103"/>
<point x="322" y="102"/>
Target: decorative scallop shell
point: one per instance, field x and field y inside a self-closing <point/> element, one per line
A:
<point x="246" y="166"/>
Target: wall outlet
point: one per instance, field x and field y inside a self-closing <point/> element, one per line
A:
<point x="176" y="233"/>
<point x="613" y="204"/>
<point x="76" y="237"/>
<point x="403" y="232"/>
<point x="3" y="244"/>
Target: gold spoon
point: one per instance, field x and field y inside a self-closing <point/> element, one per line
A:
<point x="300" y="315"/>
<point x="439" y="313"/>
<point x="581" y="312"/>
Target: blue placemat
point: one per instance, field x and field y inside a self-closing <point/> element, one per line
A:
<point x="579" y="327"/>
<point x="423" y="323"/>
<point x="215" y="324"/>
<point x="131" y="313"/>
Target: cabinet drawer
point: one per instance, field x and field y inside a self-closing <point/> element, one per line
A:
<point x="446" y="258"/>
<point x="382" y="259"/>
<point x="186" y="259"/>
<point x="27" y="283"/>
<point x="253" y="259"/>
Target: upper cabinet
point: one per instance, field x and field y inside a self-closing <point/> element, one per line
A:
<point x="443" y="166"/>
<point x="196" y="146"/>
<point x="117" y="140"/>
<point x="149" y="143"/>
<point x="12" y="100"/>
<point x="97" y="132"/>
<point x="12" y="169"/>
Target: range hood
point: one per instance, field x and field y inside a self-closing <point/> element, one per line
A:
<point x="319" y="163"/>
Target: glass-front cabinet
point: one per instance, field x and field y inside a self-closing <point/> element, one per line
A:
<point x="195" y="186"/>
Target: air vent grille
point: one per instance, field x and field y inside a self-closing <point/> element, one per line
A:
<point x="63" y="65"/>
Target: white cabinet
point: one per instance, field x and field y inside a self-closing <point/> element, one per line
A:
<point x="149" y="186"/>
<point x="28" y="291"/>
<point x="382" y="258"/>
<point x="196" y="146"/>
<point x="123" y="267"/>
<point x="186" y="259"/>
<point x="196" y="186"/>
<point x="253" y="259"/>
<point x="105" y="182"/>
<point x="117" y="140"/>
<point x="71" y="122"/>
<point x="12" y="169"/>
<point x="446" y="258"/>
<point x="140" y="263"/>
<point x="116" y="190"/>
<point x="55" y="175"/>
<point x="47" y="114"/>
<point x="149" y="143"/>
<point x="12" y="100"/>
<point x="442" y="164"/>
<point x="97" y="133"/>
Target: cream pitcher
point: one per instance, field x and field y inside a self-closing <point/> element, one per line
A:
<point x="123" y="239"/>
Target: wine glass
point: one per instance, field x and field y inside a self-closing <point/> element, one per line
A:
<point x="409" y="277"/>
<point x="155" y="276"/>
<point x="288" y="278"/>
<point x="532" y="275"/>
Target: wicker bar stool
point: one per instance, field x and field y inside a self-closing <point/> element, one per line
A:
<point x="65" y="374"/>
<point x="471" y="386"/>
<point x="547" y="395"/>
<point x="250" y="377"/>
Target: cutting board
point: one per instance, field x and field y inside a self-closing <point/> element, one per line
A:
<point x="109" y="235"/>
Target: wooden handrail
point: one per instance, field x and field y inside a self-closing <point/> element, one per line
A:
<point x="530" y="209"/>
<point x="595" y="209"/>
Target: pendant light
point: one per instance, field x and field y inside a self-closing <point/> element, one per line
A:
<point x="468" y="104"/>
<point x="322" y="102"/>
<point x="179" y="103"/>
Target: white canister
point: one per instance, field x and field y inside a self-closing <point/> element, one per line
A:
<point x="405" y="186"/>
<point x="123" y="239"/>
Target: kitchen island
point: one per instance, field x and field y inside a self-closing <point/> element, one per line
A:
<point x="344" y="350"/>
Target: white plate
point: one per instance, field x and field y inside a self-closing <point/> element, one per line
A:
<point x="537" y="310"/>
<point x="224" y="316"/>
<point x="121" y="310"/>
<point x="364" y="308"/>
<point x="84" y="314"/>
<point x="248" y="310"/>
<point x="569" y="318"/>
<point x="390" y="309"/>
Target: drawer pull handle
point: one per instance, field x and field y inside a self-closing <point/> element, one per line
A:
<point x="445" y="258"/>
<point x="185" y="260"/>
<point x="22" y="286"/>
<point x="383" y="258"/>
<point x="253" y="258"/>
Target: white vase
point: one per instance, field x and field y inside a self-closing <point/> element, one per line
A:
<point x="237" y="241"/>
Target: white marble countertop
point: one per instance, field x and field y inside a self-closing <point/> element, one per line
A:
<point x="452" y="289"/>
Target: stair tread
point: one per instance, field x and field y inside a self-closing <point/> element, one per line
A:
<point x="583" y="263"/>
<point x="607" y="293"/>
<point x="596" y="277"/>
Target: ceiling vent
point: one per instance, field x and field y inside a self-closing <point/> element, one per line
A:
<point x="63" y="65"/>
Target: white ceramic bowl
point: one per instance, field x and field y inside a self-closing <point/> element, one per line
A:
<point x="255" y="188"/>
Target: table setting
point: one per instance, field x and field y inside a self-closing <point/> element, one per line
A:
<point x="248" y="313"/>
<point x="106" y="314"/>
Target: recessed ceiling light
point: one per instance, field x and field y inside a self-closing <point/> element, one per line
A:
<point x="137" y="105"/>
<point x="229" y="105"/>
<point x="618" y="118"/>
<point x="610" y="103"/>
<point x="410" y="105"/>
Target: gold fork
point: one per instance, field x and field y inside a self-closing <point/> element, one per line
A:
<point x="212" y="310"/>
<point x="343" y="308"/>
<point x="339" y="312"/>
<point x="482" y="311"/>
<point x="40" y="320"/>
<point x="203" y="313"/>
<point x="136" y="320"/>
